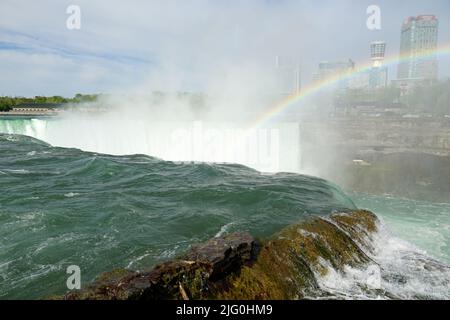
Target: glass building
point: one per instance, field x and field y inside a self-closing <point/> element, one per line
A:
<point x="419" y="36"/>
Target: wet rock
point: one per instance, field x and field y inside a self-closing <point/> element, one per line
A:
<point x="225" y="254"/>
<point x="199" y="274"/>
<point x="105" y="287"/>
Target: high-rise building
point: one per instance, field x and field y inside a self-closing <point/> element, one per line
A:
<point x="379" y="72"/>
<point x="335" y="70"/>
<point x="419" y="36"/>
<point x="288" y="75"/>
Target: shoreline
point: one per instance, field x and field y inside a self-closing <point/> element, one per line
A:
<point x="10" y="114"/>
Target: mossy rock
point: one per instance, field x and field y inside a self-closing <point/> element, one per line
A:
<point x="289" y="262"/>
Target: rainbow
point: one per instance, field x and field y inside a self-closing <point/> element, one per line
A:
<point x="325" y="83"/>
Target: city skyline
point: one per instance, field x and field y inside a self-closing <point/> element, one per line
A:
<point x="217" y="41"/>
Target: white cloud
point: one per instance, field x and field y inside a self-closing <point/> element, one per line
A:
<point x="182" y="44"/>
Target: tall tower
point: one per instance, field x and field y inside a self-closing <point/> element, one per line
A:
<point x="379" y="73"/>
<point x="419" y="37"/>
<point x="377" y="52"/>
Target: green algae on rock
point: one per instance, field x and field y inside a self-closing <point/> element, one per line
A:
<point x="288" y="263"/>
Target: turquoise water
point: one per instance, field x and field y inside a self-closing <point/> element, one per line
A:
<point x="65" y="206"/>
<point x="425" y="224"/>
<point x="60" y="207"/>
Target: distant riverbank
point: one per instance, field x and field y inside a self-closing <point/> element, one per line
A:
<point x="29" y="112"/>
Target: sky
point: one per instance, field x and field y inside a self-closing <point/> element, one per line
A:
<point x="196" y="45"/>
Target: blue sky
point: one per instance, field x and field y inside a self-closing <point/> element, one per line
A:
<point x="186" y="45"/>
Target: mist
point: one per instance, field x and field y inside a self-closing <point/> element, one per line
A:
<point x="185" y="81"/>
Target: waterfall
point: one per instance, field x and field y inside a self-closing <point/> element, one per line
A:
<point x="268" y="149"/>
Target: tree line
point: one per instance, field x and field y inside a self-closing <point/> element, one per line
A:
<point x="433" y="99"/>
<point x="8" y="103"/>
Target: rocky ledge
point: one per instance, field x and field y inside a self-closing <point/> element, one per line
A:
<point x="237" y="266"/>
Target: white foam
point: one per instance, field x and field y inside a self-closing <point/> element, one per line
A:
<point x="223" y="229"/>
<point x="17" y="171"/>
<point x="71" y="194"/>
<point x="137" y="260"/>
<point x="400" y="271"/>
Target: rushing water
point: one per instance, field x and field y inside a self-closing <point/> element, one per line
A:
<point x="424" y="224"/>
<point x="268" y="149"/>
<point x="412" y="253"/>
<point x="64" y="206"/>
